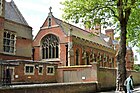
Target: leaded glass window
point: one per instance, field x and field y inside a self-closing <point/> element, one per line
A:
<point x="50" y="47"/>
<point x="9" y="40"/>
<point x="50" y="70"/>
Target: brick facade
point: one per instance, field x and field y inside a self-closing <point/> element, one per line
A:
<point x="67" y="38"/>
<point x="22" y="31"/>
<point x="73" y="39"/>
<point x="20" y="73"/>
<point x="36" y="77"/>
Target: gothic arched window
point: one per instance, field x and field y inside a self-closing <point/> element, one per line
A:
<point x="50" y="47"/>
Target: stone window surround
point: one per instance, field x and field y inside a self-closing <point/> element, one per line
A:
<point x="40" y="66"/>
<point x="47" y="47"/>
<point x="50" y="72"/>
<point x="30" y="65"/>
<point x="14" y="45"/>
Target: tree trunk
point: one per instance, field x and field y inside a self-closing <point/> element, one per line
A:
<point x="121" y="63"/>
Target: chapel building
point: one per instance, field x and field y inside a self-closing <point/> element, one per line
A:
<point x="67" y="45"/>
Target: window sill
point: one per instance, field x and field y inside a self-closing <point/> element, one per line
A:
<point x="8" y="53"/>
<point x="29" y="73"/>
<point x="53" y="59"/>
<point x="40" y="74"/>
<point x="50" y="74"/>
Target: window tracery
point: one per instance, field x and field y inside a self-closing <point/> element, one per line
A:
<point x="50" y="47"/>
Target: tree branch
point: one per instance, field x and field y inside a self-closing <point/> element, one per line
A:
<point x="128" y="11"/>
<point x="103" y="7"/>
<point x="113" y="12"/>
<point x="120" y="10"/>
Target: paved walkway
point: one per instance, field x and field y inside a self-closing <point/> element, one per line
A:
<point x="136" y="90"/>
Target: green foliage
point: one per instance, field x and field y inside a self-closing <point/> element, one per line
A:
<point x="133" y="28"/>
<point x="89" y="12"/>
<point x="107" y="13"/>
<point x="137" y="67"/>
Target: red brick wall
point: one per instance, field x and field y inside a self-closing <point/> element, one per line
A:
<point x="24" y="47"/>
<point x="75" y="73"/>
<point x="37" y="53"/>
<point x="89" y="87"/>
<point x="12" y="57"/>
<point x="62" y="40"/>
<point x="23" y="50"/>
<point x="36" y="78"/>
<point x="106" y="78"/>
<point x="1" y="23"/>
<point x="95" y="51"/>
<point x="62" y="54"/>
<point x="1" y="33"/>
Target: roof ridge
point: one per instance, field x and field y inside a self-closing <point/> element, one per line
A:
<point x="75" y="26"/>
<point x="82" y="30"/>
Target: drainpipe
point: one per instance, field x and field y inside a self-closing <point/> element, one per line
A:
<point x="33" y="52"/>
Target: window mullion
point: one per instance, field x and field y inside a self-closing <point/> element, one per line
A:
<point x="44" y="51"/>
<point x="54" y="52"/>
<point x="51" y="52"/>
<point x="52" y="48"/>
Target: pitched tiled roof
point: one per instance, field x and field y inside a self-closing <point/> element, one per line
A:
<point x="78" y="32"/>
<point x="12" y="13"/>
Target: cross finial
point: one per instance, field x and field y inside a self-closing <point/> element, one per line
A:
<point x="50" y="9"/>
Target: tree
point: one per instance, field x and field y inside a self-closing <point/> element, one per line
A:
<point x="121" y="13"/>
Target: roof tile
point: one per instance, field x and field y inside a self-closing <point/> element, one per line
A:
<point x="12" y="13"/>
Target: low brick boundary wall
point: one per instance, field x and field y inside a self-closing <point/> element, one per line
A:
<point x="107" y="78"/>
<point x="74" y="87"/>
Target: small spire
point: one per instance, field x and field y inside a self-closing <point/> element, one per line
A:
<point x="50" y="13"/>
<point x="50" y="9"/>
